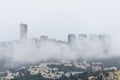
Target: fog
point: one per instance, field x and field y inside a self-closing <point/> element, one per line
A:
<point x="57" y="19"/>
<point x="35" y="50"/>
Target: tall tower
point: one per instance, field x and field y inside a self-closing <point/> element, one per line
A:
<point x="71" y="38"/>
<point x="23" y="31"/>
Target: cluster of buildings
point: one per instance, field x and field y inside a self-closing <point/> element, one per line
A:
<point x="83" y="39"/>
<point x="71" y="37"/>
<point x="48" y="72"/>
<point x="54" y="73"/>
<point x="43" y="69"/>
<point x="8" y="75"/>
<point x="108" y="76"/>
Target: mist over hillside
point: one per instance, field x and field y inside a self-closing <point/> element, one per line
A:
<point x="34" y="50"/>
<point x="77" y="47"/>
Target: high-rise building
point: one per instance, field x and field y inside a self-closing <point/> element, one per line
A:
<point x="43" y="38"/>
<point x="102" y="36"/>
<point x="23" y="31"/>
<point x="93" y="37"/>
<point x="71" y="38"/>
<point x="82" y="36"/>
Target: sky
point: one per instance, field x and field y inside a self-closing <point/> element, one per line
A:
<point x="58" y="18"/>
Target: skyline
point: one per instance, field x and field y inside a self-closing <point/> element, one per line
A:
<point x="23" y="35"/>
<point x="59" y="18"/>
<point x="59" y="40"/>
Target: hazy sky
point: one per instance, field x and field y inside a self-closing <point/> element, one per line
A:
<point x="57" y="18"/>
